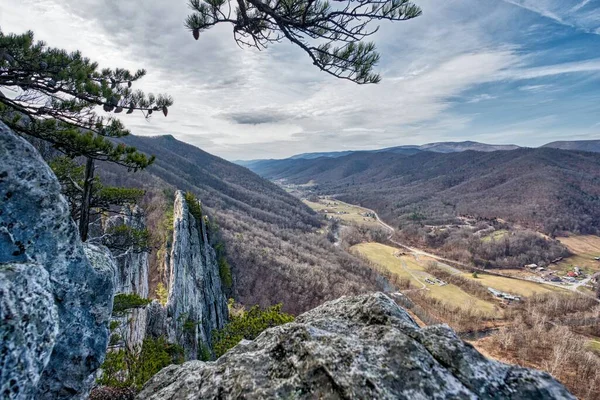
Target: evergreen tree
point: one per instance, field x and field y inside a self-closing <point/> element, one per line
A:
<point x="331" y="33"/>
<point x="53" y="95"/>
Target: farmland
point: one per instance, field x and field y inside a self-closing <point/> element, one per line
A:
<point x="517" y="287"/>
<point x="408" y="266"/>
<point x="585" y="249"/>
<point x="345" y="212"/>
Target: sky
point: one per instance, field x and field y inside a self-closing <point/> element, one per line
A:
<point x="523" y="72"/>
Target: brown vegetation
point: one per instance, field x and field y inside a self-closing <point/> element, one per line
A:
<point x="536" y="338"/>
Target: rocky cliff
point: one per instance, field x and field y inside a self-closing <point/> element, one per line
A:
<point x="132" y="264"/>
<point x="55" y="301"/>
<point x="197" y="303"/>
<point x="131" y="276"/>
<point x="364" y="347"/>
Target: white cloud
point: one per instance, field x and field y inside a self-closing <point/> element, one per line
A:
<point x="241" y="103"/>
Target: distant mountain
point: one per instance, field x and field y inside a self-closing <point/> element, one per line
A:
<point x="579" y="145"/>
<point x="546" y="189"/>
<point x="441" y="147"/>
<point x="270" y="236"/>
<point x="453" y="147"/>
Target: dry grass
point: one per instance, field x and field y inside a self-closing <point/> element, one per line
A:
<point x="354" y="213"/>
<point x="535" y="337"/>
<point x="407" y="267"/>
<point x="513" y="286"/>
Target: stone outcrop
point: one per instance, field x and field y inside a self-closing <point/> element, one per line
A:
<point x="28" y="329"/>
<point x="36" y="229"/>
<point x="364" y="347"/>
<point x="132" y="266"/>
<point x="196" y="303"/>
<point x="131" y="276"/>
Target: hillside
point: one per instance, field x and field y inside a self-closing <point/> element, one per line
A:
<point x="545" y="189"/>
<point x="273" y="249"/>
<point x="580" y="145"/>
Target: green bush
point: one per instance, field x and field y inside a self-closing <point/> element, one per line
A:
<point x="128" y="368"/>
<point x="194" y="206"/>
<point x="114" y="339"/>
<point x="248" y="325"/>
<point x="128" y="301"/>
<point x="162" y="294"/>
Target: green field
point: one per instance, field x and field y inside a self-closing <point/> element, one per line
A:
<point x="407" y="266"/>
<point x="512" y="286"/>
<point x="585" y="249"/>
<point x="496" y="235"/>
<point x="343" y="211"/>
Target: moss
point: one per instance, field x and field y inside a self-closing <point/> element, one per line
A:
<point x="128" y="301"/>
<point x="113" y="325"/>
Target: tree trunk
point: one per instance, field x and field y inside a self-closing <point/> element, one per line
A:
<point x="84" y="218"/>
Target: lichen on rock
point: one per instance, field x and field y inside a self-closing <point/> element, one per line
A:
<point x="363" y="347"/>
<point x="36" y="228"/>
<point x="28" y="330"/>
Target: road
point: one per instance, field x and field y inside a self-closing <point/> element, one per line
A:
<point x="443" y="261"/>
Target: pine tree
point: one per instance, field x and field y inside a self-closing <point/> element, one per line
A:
<point x="331" y="33"/>
<point x="53" y="95"/>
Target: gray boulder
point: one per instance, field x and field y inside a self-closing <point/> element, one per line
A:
<point x="364" y="347"/>
<point x="36" y="227"/>
<point x="28" y="329"/>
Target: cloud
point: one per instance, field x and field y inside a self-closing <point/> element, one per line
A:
<point x="481" y="97"/>
<point x="242" y="103"/>
<point x="564" y="12"/>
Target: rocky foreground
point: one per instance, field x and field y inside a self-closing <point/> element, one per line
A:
<point x="364" y="347"/>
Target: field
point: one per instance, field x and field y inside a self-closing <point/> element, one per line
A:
<point x="409" y="267"/>
<point x="496" y="235"/>
<point x="343" y="211"/>
<point x="512" y="286"/>
<point x="585" y="248"/>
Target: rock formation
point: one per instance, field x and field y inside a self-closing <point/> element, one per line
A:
<point x="28" y="329"/>
<point x="364" y="347"/>
<point x="132" y="264"/>
<point x="37" y="232"/>
<point x="131" y="276"/>
<point x="197" y="303"/>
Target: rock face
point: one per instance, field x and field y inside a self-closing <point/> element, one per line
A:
<point x="196" y="303"/>
<point x="131" y="276"/>
<point x="132" y="266"/>
<point x="28" y="329"/>
<point x="364" y="347"/>
<point x="36" y="228"/>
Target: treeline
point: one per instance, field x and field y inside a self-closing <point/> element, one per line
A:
<point x="469" y="244"/>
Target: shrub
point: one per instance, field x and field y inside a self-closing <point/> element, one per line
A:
<point x="248" y="325"/>
<point x="162" y="294"/>
<point x="128" y="301"/>
<point x="132" y="368"/>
